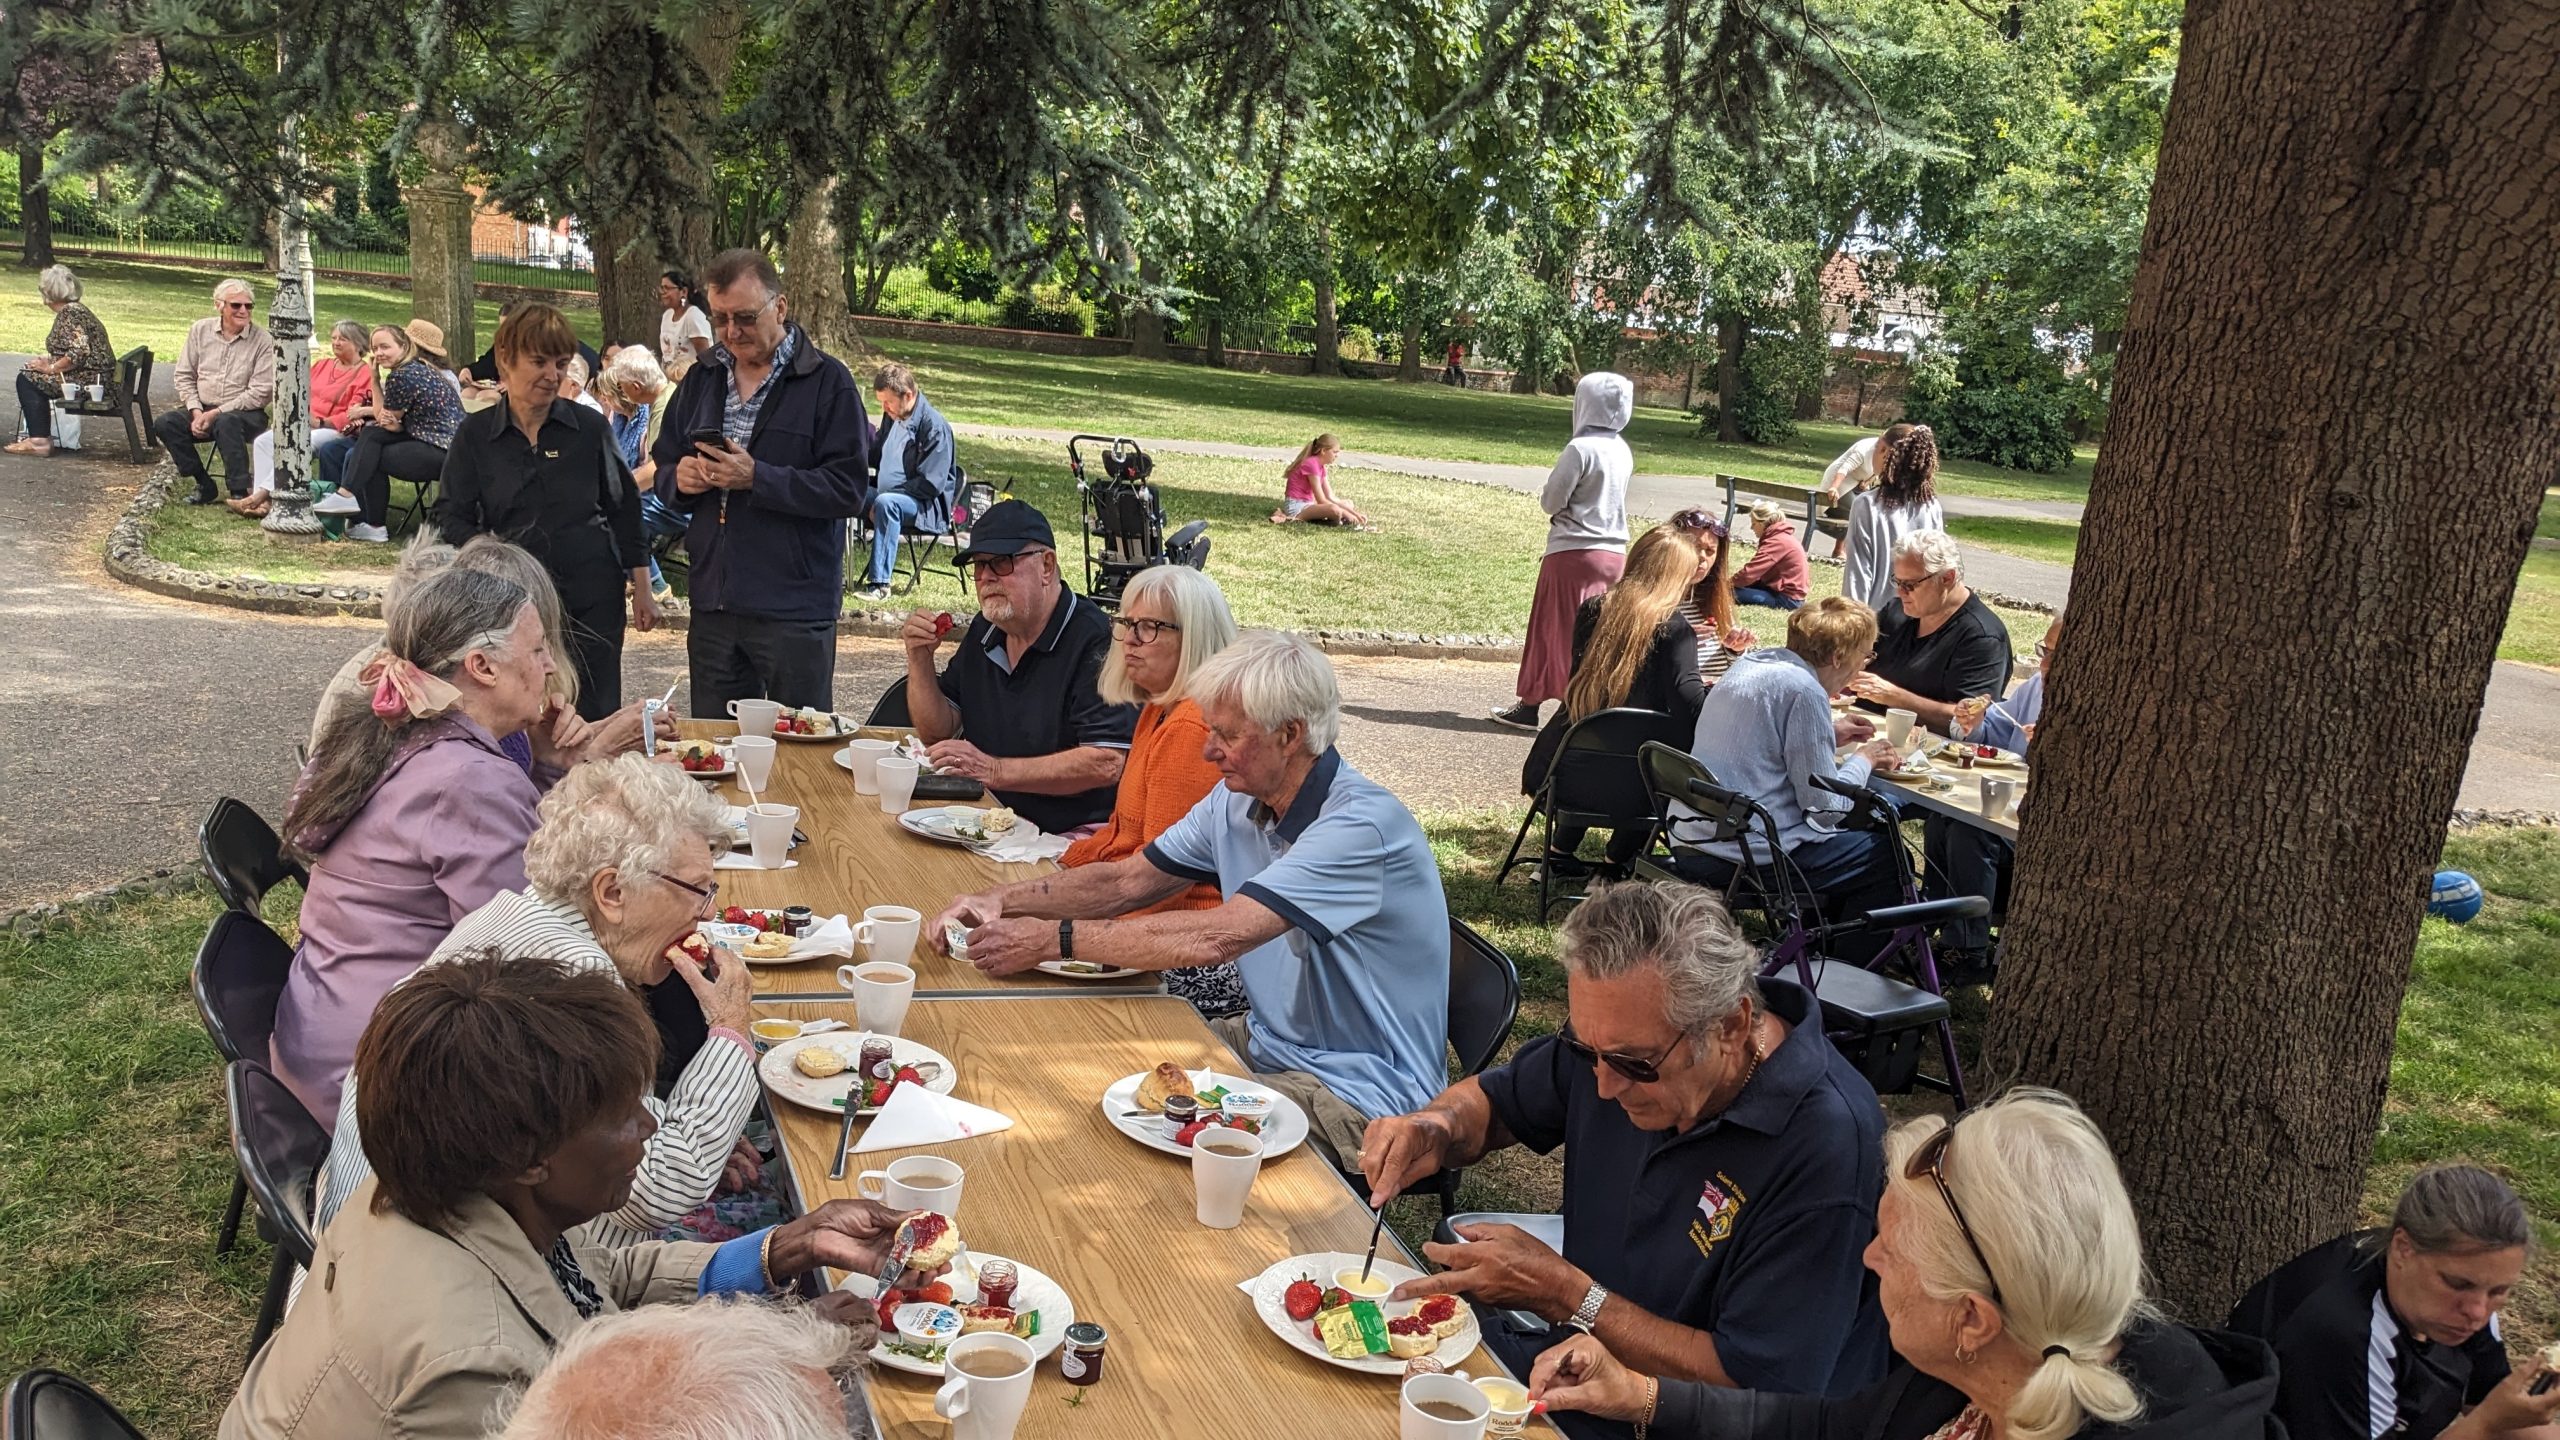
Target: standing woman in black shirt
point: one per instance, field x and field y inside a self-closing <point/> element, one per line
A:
<point x="544" y="473"/>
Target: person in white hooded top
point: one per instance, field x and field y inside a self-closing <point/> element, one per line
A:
<point x="1586" y="504"/>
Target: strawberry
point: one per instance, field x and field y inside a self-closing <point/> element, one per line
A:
<point x="942" y="624"/>
<point x="734" y="915"/>
<point x="1301" y="1299"/>
<point x="1190" y="1132"/>
<point x="1332" y="1299"/>
<point x="909" y="1075"/>
<point x="890" y="1300"/>
<point x="938" y="1293"/>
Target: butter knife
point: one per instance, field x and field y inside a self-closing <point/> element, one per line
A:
<point x="844" y="1137"/>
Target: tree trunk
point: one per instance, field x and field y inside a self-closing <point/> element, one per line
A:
<point x="1146" y="323"/>
<point x="1328" y="357"/>
<point x="1409" y="349"/>
<point x="1728" y="376"/>
<point x="627" y="269"/>
<point x="35" y="207"/>
<point x="2345" y="306"/>
<point x="1213" y="342"/>
<point x="441" y="288"/>
<point x="813" y="268"/>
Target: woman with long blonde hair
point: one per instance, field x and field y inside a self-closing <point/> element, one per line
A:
<point x="1632" y="648"/>
<point x="1310" y="498"/>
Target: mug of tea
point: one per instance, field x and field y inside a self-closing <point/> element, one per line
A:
<point x="755" y="717"/>
<point x="989" y="1386"/>
<point x="1442" y="1407"/>
<point x="917" y="1182"/>
<point x="881" y="990"/>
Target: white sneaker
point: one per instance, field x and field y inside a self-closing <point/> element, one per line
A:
<point x="336" y="502"/>
<point x="370" y="534"/>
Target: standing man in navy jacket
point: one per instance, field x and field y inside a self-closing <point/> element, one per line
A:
<point x="768" y="502"/>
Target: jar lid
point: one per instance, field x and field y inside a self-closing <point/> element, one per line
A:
<point x="1085" y="1335"/>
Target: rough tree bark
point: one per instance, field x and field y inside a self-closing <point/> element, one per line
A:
<point x="1409" y="350"/>
<point x="1213" y="341"/>
<point x="1728" y="376"/>
<point x="441" y="283"/>
<point x="1146" y="323"/>
<point x="35" y="207"/>
<point x="2345" y="321"/>
<point x="813" y="268"/>
<point x="1328" y="356"/>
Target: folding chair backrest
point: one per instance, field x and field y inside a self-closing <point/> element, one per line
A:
<point x="1595" y="779"/>
<point x="280" y="1149"/>
<point x="1675" y="775"/>
<point x="239" y="973"/>
<point x="242" y="855"/>
<point x="891" y="707"/>
<point x="49" y="1405"/>
<point x="1484" y="997"/>
<point x="975" y="497"/>
<point x="133" y="376"/>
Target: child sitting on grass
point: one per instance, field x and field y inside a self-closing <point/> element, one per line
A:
<point x="1310" y="500"/>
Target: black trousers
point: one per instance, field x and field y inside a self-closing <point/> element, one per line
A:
<point x="747" y="657"/>
<point x="1963" y="860"/>
<point x="595" y="646"/>
<point x="379" y="457"/>
<point x="232" y="432"/>
<point x="36" y="406"/>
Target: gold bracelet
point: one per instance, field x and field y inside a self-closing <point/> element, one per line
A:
<point x="764" y="1257"/>
<point x="1652" y="1399"/>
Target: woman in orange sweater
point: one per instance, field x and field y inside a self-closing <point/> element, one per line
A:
<point x="1171" y="618"/>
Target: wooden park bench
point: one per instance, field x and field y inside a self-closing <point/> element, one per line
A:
<point x="1804" y="502"/>
<point x="128" y="396"/>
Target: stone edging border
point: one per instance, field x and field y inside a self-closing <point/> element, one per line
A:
<point x="33" y="922"/>
<point x="130" y="560"/>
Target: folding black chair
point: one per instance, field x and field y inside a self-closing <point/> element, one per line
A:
<point x="920" y="546"/>
<point x="1484" y="1002"/>
<point x="242" y="855"/>
<point x="49" y="1405"/>
<point x="891" y="708"/>
<point x="1594" y="782"/>
<point x="280" y="1149"/>
<point x="1674" y="777"/>
<point x="239" y="973"/>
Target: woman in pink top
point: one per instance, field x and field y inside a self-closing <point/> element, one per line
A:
<point x="340" y="381"/>
<point x="410" y="814"/>
<point x="1310" y="500"/>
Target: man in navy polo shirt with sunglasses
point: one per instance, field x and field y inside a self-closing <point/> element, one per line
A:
<point x="1721" y="1171"/>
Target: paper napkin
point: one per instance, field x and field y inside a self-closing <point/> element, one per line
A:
<point x="917" y="1116"/>
<point x="746" y="860"/>
<point x="1025" y="842"/>
<point x="831" y="936"/>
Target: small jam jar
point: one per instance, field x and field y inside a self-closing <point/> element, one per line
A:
<point x="1179" y="1110"/>
<point x="798" y="918"/>
<point x="877" y="1061"/>
<point x="1080" y="1358"/>
<point x="997" y="1280"/>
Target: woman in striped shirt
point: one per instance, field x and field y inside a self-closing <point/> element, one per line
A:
<point x="1708" y="607"/>
<point x="619" y="872"/>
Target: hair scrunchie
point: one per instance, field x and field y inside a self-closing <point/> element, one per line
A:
<point x="2050" y="1351"/>
<point x="403" y="691"/>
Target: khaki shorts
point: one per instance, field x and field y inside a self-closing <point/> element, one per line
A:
<point x="1333" y="1126"/>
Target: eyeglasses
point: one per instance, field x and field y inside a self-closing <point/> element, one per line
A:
<point x="1931" y="1160"/>
<point x="1633" y="1067"/>
<point x="741" y="319"/>
<point x="2044" y="650"/>
<point x="1699" y="522"/>
<point x="1146" y="631"/>
<point x="706" y="897"/>
<point x="1905" y="587"/>
<point x="1000" y="566"/>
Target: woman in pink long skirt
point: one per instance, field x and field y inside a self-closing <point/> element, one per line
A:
<point x="1586" y="505"/>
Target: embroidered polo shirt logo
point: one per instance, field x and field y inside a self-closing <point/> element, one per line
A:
<point x="1719" y="1206"/>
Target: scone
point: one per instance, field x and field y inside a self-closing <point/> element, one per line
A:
<point x="997" y="821"/>
<point x="1166" y="1079"/>
<point x="935" y="1240"/>
<point x="818" y="1062"/>
<point x="974" y="1318"/>
<point x="771" y="945"/>
<point x="1409" y="1336"/>
<point x="1442" y="1314"/>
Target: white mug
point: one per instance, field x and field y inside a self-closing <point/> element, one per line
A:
<point x="918" y="1182"/>
<point x="881" y="993"/>
<point x="755" y="717"/>
<point x="755" y="759"/>
<point x="769" y="833"/>
<point x="981" y="1405"/>
<point x="1999" y="795"/>
<point x="864" y="754"/>
<point x="1223" y="1164"/>
<point x="1454" y="1391"/>
<point x="889" y="932"/>
<point x="897" y="780"/>
<point x="1897" y="726"/>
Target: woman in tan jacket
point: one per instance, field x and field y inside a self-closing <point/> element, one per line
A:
<point x="501" y="1110"/>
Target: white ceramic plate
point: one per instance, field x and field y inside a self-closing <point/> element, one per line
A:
<point x="1286" y="1130"/>
<point x="1065" y="970"/>
<point x="1271" y="1287"/>
<point x="785" y="1080"/>
<point x="728" y="766"/>
<point x="1035" y="1292"/>
<point x="941" y="823"/>
<point x="845" y="726"/>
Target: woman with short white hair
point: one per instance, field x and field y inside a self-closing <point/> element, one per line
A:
<point x="618" y="873"/>
<point x="636" y="393"/>
<point x="2009" y="1264"/>
<point x="712" y="1370"/>
<point x="76" y="352"/>
<point x="1172" y="620"/>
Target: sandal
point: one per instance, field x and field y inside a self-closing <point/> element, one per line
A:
<point x="29" y="446"/>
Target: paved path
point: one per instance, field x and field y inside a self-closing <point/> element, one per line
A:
<point x="2011" y="576"/>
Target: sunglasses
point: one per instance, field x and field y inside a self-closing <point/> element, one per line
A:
<point x="1146" y="631"/>
<point x="239" y="304"/>
<point x="1699" y="522"/>
<point x="1905" y="587"/>
<point x="1637" y="1068"/>
<point x="1931" y="1160"/>
<point x="1000" y="566"/>
<point x="740" y="319"/>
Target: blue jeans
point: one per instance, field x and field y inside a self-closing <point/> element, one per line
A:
<point x="658" y="520"/>
<point x="891" y="511"/>
<point x="1767" y="599"/>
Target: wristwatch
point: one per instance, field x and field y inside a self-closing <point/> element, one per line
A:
<point x="1066" y="939"/>
<point x="1587" y="1314"/>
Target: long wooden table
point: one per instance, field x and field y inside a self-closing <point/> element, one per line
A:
<point x="858" y="856"/>
<point x="1963" y="801"/>
<point x="1112" y="1222"/>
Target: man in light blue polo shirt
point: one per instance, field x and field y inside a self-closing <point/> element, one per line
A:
<point x="1333" y="913"/>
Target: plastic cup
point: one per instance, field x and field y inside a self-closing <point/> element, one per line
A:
<point x="989" y="1384"/>
<point x="755" y="717"/>
<point x="1509" y="1402"/>
<point x="1897" y="726"/>
<point x="1452" y="1392"/>
<point x="755" y="759"/>
<point x="897" y="782"/>
<point x="889" y="932"/>
<point x="1223" y="1164"/>
<point x="864" y="754"/>
<point x="769" y="833"/>
<point x="881" y="993"/>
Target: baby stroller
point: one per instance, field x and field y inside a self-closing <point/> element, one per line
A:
<point x="1124" y="514"/>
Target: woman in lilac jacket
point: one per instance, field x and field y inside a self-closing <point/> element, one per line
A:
<point x="411" y="815"/>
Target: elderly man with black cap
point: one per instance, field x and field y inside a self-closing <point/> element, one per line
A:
<point x="1020" y="706"/>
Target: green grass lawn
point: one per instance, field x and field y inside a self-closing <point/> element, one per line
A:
<point x="1407" y="577"/>
<point x="2056" y="542"/>
<point x="114" y="1157"/>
